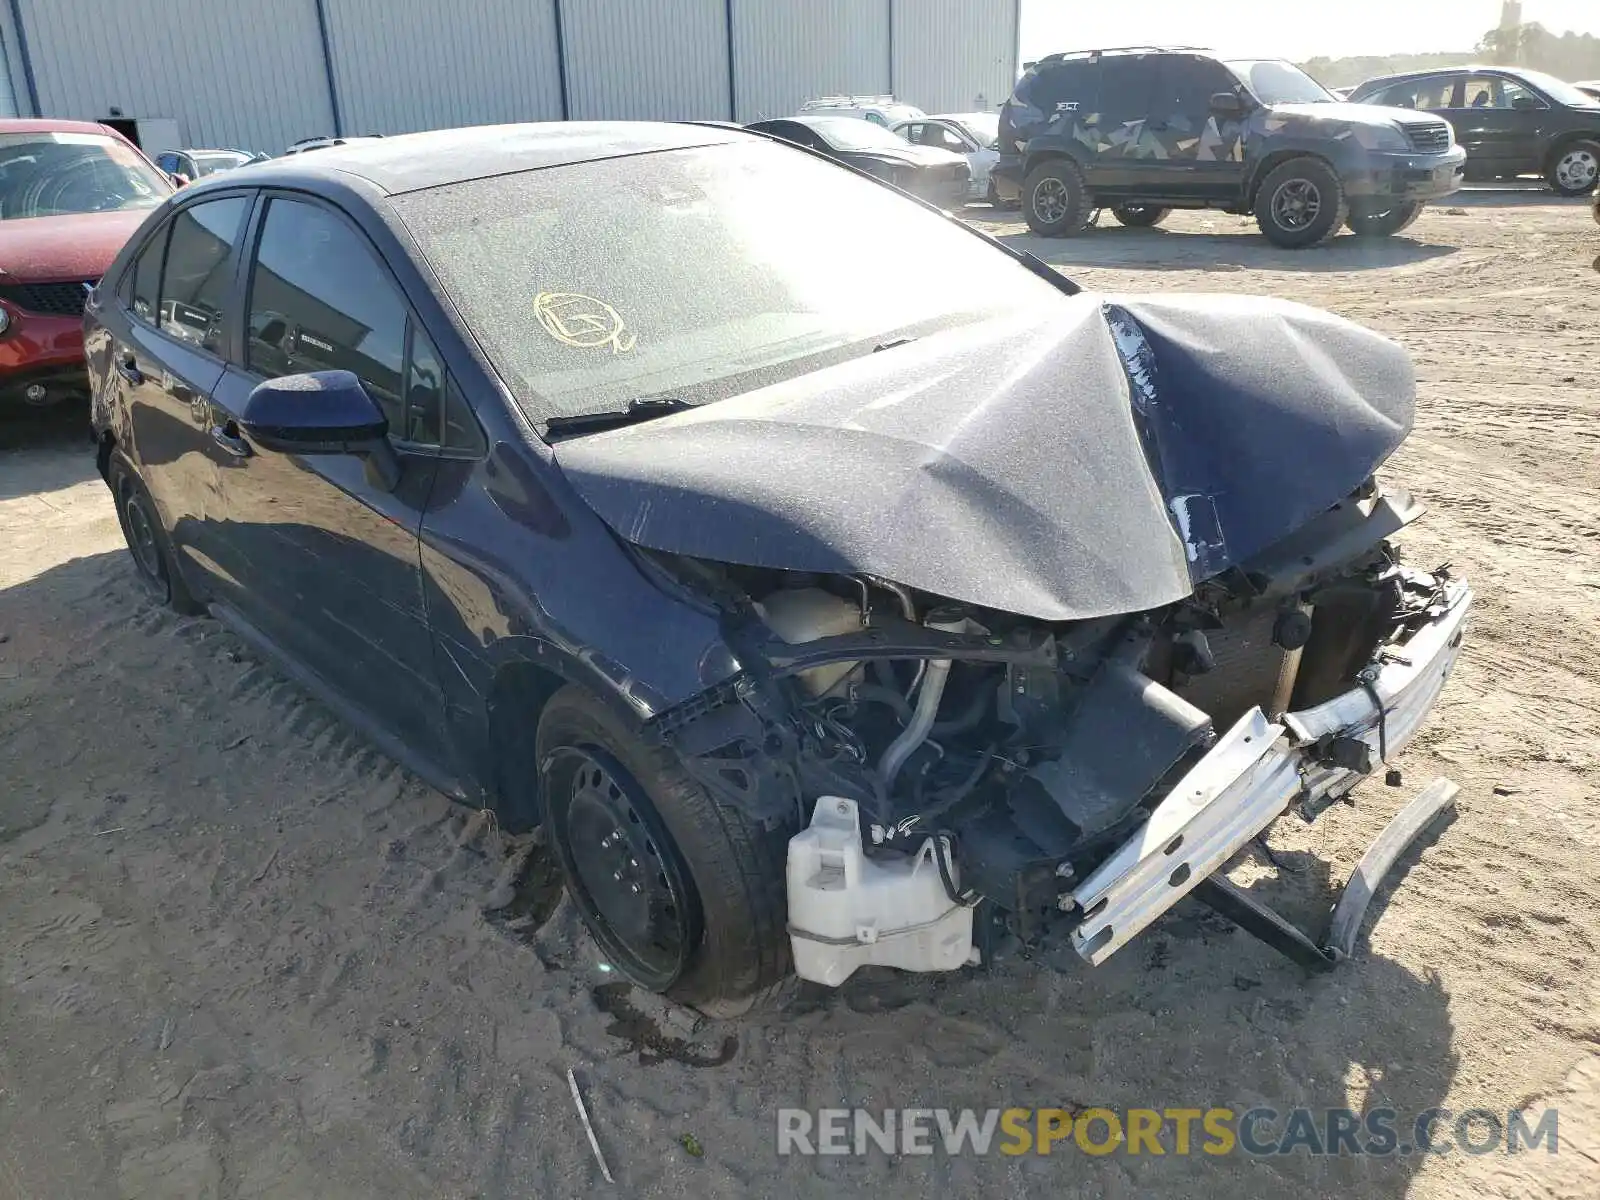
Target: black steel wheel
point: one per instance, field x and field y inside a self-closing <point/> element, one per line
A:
<point x="147" y="538"/>
<point x="623" y="872"/>
<point x="684" y="891"/>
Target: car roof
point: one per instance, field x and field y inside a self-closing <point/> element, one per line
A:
<point x="51" y="125"/>
<point x="1469" y="69"/>
<point x="414" y="161"/>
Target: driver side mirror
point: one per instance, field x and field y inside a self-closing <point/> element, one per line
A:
<point x="322" y="412"/>
<point x="1229" y="104"/>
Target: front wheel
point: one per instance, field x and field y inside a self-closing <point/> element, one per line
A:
<point x="1384" y="222"/>
<point x="1140" y="216"/>
<point x="683" y="893"/>
<point x="1574" y="169"/>
<point x="1301" y="204"/>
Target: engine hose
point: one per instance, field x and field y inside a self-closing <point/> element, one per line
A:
<point x="916" y="732"/>
<point x="964" y="721"/>
<point x="873" y="693"/>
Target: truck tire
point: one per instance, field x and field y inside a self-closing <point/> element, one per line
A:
<point x="1574" y="168"/>
<point x="1140" y="216"/>
<point x="1055" y="199"/>
<point x="1383" y="222"/>
<point x="153" y="556"/>
<point x="684" y="894"/>
<point x="1301" y="204"/>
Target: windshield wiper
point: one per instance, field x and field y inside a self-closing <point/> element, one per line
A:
<point x="892" y="343"/>
<point x="645" y="409"/>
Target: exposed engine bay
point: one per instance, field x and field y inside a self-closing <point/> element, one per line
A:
<point x="960" y="773"/>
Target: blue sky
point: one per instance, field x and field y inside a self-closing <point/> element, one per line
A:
<point x="1271" y="28"/>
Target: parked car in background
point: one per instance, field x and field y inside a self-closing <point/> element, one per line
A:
<point x="843" y="588"/>
<point x="71" y="193"/>
<point x="938" y="176"/>
<point x="197" y="164"/>
<point x="1511" y="121"/>
<point x="974" y="136"/>
<point x="305" y="145"/>
<point x="880" y="110"/>
<point x="1143" y="131"/>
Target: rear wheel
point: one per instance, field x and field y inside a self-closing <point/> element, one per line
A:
<point x="147" y="539"/>
<point x="1140" y="216"/>
<point x="684" y="894"/>
<point x="1384" y="222"/>
<point x="1301" y="204"/>
<point x="1055" y="199"/>
<point x="1574" y="168"/>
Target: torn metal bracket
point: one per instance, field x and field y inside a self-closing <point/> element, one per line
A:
<point x="1344" y="926"/>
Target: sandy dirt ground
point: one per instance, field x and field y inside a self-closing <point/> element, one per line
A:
<point x="242" y="955"/>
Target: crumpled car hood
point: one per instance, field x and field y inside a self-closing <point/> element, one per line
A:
<point x="1100" y="459"/>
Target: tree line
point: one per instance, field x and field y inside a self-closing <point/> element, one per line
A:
<point x="1570" y="56"/>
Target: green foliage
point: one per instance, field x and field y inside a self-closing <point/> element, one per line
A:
<point x="1568" y="56"/>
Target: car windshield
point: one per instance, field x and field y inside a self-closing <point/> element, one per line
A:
<point x="984" y="127"/>
<point x="1273" y="81"/>
<point x="853" y="133"/>
<point x="698" y="274"/>
<point x="207" y="164"/>
<point x="1558" y="90"/>
<point x="49" y="174"/>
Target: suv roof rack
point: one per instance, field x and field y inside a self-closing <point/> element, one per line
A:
<point x="1066" y="54"/>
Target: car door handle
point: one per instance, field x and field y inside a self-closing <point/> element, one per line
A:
<point x="227" y="436"/>
<point x="128" y="368"/>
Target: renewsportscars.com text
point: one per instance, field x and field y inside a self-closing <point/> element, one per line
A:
<point x="1255" y="1131"/>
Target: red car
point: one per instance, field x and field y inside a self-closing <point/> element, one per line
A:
<point x="71" y="193"/>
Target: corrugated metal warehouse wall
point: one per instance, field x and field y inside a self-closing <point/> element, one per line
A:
<point x="230" y="72"/>
<point x="13" y="88"/>
<point x="786" y="52"/>
<point x="633" y="60"/>
<point x="257" y="73"/>
<point x="955" y="55"/>
<point x="404" y="65"/>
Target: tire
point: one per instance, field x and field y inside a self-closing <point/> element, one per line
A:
<point x="1574" y="168"/>
<point x="1140" y="216"/>
<point x="1055" y="199"/>
<point x="1323" y="206"/>
<point x="148" y="541"/>
<point x="1384" y="222"/>
<point x="715" y="896"/>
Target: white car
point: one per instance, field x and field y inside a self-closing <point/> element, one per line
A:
<point x="880" y="110"/>
<point x="975" y="136"/>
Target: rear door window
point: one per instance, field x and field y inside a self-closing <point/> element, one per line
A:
<point x="199" y="271"/>
<point x="320" y="300"/>
<point x="1127" y="90"/>
<point x="1429" y="94"/>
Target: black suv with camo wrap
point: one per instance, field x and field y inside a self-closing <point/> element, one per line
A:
<point x="1144" y="130"/>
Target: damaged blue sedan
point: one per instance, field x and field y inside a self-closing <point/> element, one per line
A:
<point x="829" y="584"/>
